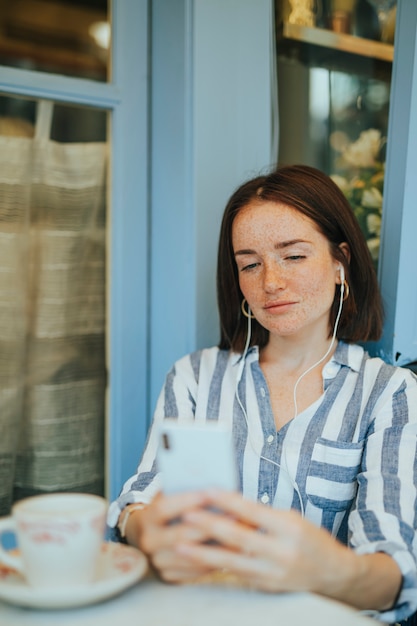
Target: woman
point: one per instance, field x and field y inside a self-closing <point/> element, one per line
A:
<point x="325" y="436"/>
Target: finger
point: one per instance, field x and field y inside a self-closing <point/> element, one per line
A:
<point x="156" y="537"/>
<point x="169" y="507"/>
<point x="253" y="572"/>
<point x="171" y="568"/>
<point x="175" y="574"/>
<point x="229" y="532"/>
<point x="253" y="513"/>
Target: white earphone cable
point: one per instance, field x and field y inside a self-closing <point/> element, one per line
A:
<point x="240" y="372"/>
<point x="329" y="349"/>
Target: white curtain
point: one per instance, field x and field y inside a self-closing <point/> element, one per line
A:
<point x="52" y="314"/>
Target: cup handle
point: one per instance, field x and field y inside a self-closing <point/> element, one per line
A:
<point x="8" y="524"/>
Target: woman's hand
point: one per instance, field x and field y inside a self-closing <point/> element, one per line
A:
<point x="192" y="535"/>
<point x="267" y="549"/>
<point x="278" y="551"/>
<point x="159" y="528"/>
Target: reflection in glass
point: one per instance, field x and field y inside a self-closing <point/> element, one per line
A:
<point x="70" y="37"/>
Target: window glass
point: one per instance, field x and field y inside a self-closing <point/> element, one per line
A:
<point x="52" y="298"/>
<point x="70" y="37"/>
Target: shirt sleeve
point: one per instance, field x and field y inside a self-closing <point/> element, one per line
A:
<point x="384" y="518"/>
<point x="177" y="397"/>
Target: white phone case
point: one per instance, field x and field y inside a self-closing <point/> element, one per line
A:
<point x="196" y="455"/>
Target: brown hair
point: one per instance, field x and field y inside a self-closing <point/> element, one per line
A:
<point x="315" y="195"/>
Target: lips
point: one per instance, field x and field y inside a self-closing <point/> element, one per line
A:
<point x="280" y="305"/>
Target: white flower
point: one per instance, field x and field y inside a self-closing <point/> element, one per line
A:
<point x="373" y="224"/>
<point x="364" y="151"/>
<point x="341" y="182"/>
<point x="372" y="198"/>
<point x="373" y="246"/>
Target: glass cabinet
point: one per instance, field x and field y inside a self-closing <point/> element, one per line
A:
<point x="347" y="101"/>
<point x="334" y="66"/>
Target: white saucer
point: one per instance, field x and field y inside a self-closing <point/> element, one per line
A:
<point x="120" y="567"/>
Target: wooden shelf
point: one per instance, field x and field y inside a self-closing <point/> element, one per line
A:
<point x="339" y="41"/>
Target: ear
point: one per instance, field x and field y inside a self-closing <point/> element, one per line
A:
<point x="344" y="247"/>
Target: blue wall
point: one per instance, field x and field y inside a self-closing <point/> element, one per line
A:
<point x="211" y="129"/>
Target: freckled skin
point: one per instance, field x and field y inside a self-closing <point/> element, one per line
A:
<point x="286" y="271"/>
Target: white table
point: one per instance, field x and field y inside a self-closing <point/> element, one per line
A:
<point x="152" y="603"/>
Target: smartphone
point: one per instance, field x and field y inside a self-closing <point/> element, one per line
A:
<point x="196" y="455"/>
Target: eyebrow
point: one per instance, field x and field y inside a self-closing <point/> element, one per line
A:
<point x="278" y="246"/>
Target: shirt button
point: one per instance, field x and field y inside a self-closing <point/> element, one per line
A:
<point x="263" y="392"/>
<point x="270" y="438"/>
<point x="265" y="498"/>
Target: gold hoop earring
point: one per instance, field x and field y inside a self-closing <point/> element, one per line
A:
<point x="347" y="290"/>
<point x="245" y="312"/>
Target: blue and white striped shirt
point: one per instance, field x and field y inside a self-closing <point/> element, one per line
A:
<point x="350" y="457"/>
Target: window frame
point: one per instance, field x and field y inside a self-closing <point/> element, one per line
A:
<point x="126" y="100"/>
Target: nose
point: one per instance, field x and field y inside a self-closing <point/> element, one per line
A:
<point x="273" y="278"/>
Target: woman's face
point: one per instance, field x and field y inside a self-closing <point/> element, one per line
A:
<point x="286" y="271"/>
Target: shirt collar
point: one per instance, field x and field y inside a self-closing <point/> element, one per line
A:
<point x="349" y="355"/>
<point x="252" y="352"/>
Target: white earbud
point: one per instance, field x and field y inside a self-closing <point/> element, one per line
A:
<point x="342" y="273"/>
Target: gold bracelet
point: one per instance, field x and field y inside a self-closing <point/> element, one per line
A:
<point x="126" y="514"/>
